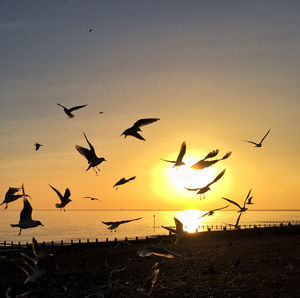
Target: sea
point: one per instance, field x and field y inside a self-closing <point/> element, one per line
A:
<point x="87" y="224"/>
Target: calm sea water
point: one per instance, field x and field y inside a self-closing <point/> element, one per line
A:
<point x="59" y="225"/>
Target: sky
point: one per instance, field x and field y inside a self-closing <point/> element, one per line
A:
<point x="214" y="72"/>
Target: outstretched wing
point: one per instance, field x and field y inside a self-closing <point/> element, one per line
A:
<point x="12" y="190"/>
<point x="179" y="225"/>
<point x="137" y="135"/>
<point x="67" y="193"/>
<point x="204" y="214"/>
<point x="172" y="161"/>
<point x="131" y="178"/>
<point x="238" y="220"/>
<point x="265" y="136"/>
<point x="193" y="189"/>
<point x="26" y="212"/>
<point x="220" y="208"/>
<point x="35" y="247"/>
<point x="92" y="152"/>
<point x="76" y="108"/>
<point x="169" y="229"/>
<point x="146" y="121"/>
<point x="58" y="193"/>
<point x="108" y="223"/>
<point x="217" y="178"/>
<point x="212" y="154"/>
<point x="181" y="152"/>
<point x="233" y="202"/>
<point x="226" y="155"/>
<point x="129" y="220"/>
<point x="121" y="181"/>
<point x="247" y="197"/>
<point x="250" y="142"/>
<point x="85" y="152"/>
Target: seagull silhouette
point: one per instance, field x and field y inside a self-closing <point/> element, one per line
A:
<point x="123" y="181"/>
<point x="115" y="224"/>
<point x="65" y="199"/>
<point x="68" y="111"/>
<point x="249" y="202"/>
<point x="149" y="281"/>
<point x="178" y="231"/>
<point x="93" y="199"/>
<point x="260" y="143"/>
<point x="242" y="209"/>
<point x="26" y="220"/>
<point x="90" y="155"/>
<point x="203" y="163"/>
<point x="11" y="195"/>
<point x="203" y="190"/>
<point x="90" y="30"/>
<point x="133" y="130"/>
<point x="37" y="146"/>
<point x="211" y="212"/>
<point x="178" y="161"/>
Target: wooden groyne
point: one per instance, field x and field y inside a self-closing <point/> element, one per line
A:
<point x="202" y="231"/>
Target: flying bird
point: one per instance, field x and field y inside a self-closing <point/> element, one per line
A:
<point x="211" y="212"/>
<point x="203" y="190"/>
<point x="204" y="163"/>
<point x="37" y="146"/>
<point x="68" y="111"/>
<point x="178" y="231"/>
<point x="236" y="225"/>
<point x="114" y="224"/>
<point x="93" y="199"/>
<point x="90" y="155"/>
<point x="243" y="208"/>
<point x="90" y="30"/>
<point x="178" y="162"/>
<point x="260" y="143"/>
<point x="123" y="181"/>
<point x="149" y="281"/>
<point x="64" y="199"/>
<point x="150" y="250"/>
<point x="133" y="130"/>
<point x="26" y="220"/>
<point x="11" y="195"/>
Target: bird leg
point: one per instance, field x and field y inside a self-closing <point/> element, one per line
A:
<point x="95" y="171"/>
<point x="20" y="231"/>
<point x="64" y="209"/>
<point x="6" y="206"/>
<point x="98" y="169"/>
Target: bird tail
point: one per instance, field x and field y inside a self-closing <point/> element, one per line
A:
<point x="71" y="116"/>
<point x="226" y="155"/>
<point x="14" y="225"/>
<point x="58" y="205"/>
<point x="88" y="168"/>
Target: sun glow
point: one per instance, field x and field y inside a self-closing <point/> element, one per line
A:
<point x="190" y="220"/>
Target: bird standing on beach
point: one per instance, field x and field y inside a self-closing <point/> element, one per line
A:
<point x="203" y="190"/>
<point x="115" y="224"/>
<point x="260" y="143"/>
<point x="65" y="199"/>
<point x="178" y="161"/>
<point x="90" y="155"/>
<point x="204" y="163"/>
<point x="26" y="220"/>
<point x="68" y="111"/>
<point x="242" y="209"/>
<point x="11" y="195"/>
<point x="37" y="146"/>
<point x="123" y="181"/>
<point x="133" y="130"/>
<point x="211" y="212"/>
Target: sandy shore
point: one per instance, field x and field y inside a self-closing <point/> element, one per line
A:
<point x="263" y="263"/>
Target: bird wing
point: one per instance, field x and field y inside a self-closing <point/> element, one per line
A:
<point x="131" y="178"/>
<point x="212" y="154"/>
<point x="137" y="135"/>
<point x="181" y="152"/>
<point x="67" y="194"/>
<point x="201" y="164"/>
<point x="146" y="121"/>
<point x="247" y="197"/>
<point x="92" y="152"/>
<point x="170" y="229"/>
<point x="217" y="178"/>
<point x="121" y="181"/>
<point x="25" y="214"/>
<point x="172" y="161"/>
<point x="233" y="202"/>
<point x="226" y="155"/>
<point x="179" y="225"/>
<point x="205" y="214"/>
<point x="238" y="219"/>
<point x="192" y="189"/>
<point x="108" y="223"/>
<point x="250" y="142"/>
<point x="129" y="220"/>
<point x="85" y="152"/>
<point x="265" y="136"/>
<point x="220" y="208"/>
<point x="12" y="190"/>
<point x="35" y="247"/>
<point x="76" y="108"/>
<point x="58" y="193"/>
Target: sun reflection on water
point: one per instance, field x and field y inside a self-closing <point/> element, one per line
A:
<point x="191" y="221"/>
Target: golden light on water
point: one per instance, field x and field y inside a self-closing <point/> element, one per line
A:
<point x="190" y="219"/>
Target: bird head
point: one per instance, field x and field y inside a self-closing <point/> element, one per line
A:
<point x="39" y="223"/>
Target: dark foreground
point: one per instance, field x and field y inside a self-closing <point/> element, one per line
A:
<point x="247" y="264"/>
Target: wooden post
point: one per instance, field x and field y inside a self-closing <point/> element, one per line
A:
<point x="4" y="243"/>
<point x="116" y="240"/>
<point x="52" y="243"/>
<point x="126" y="239"/>
<point x="106" y="239"/>
<point x="88" y="240"/>
<point x="61" y="242"/>
<point x="19" y="244"/>
<point x="79" y="241"/>
<point x="96" y="240"/>
<point x="27" y="245"/>
<point x="71" y="241"/>
<point x="137" y="238"/>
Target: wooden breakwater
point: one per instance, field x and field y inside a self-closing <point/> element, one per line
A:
<point x="220" y="231"/>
